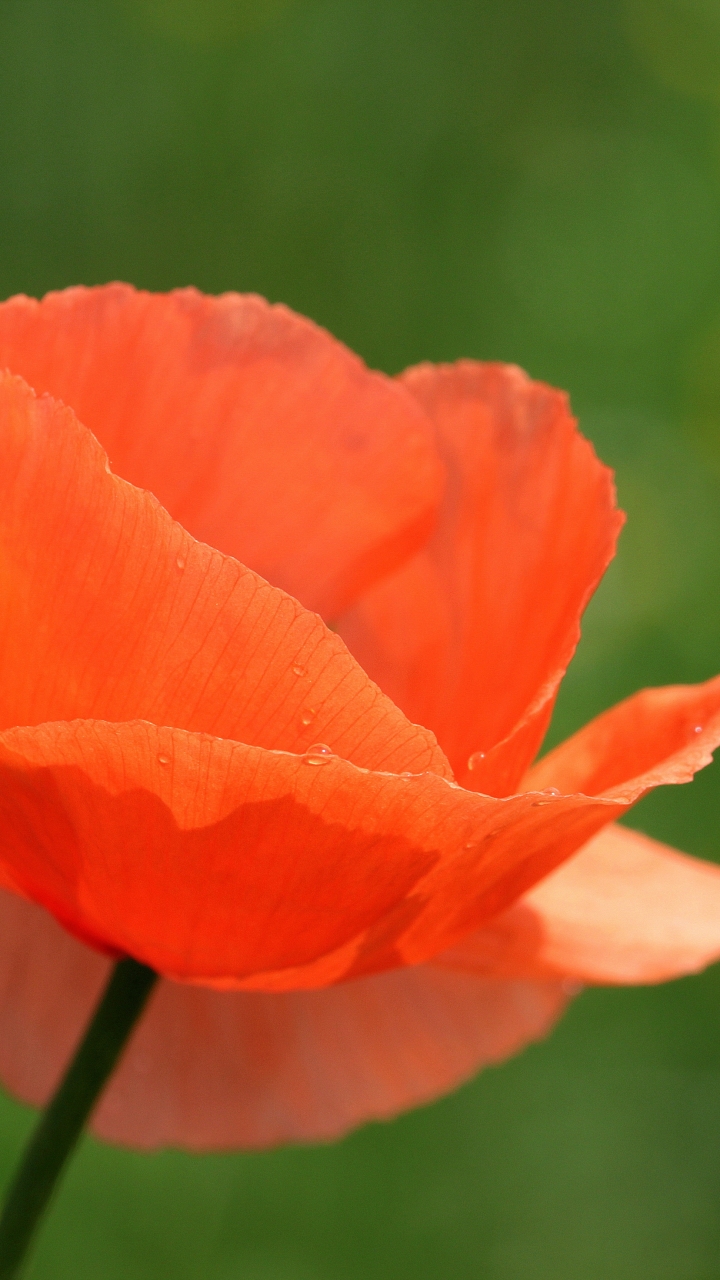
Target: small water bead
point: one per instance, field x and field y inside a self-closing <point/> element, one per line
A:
<point x="319" y="754"/>
<point x="180" y="562"/>
<point x="475" y="760"/>
<point x="164" y="761"/>
<point x="470" y="844"/>
<point x="308" y="716"/>
<point x="298" y="671"/>
<point x="549" y="792"/>
<point x="698" y="728"/>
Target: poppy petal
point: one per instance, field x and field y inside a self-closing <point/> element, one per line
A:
<point x="658" y="737"/>
<point x="260" y="433"/>
<point x="279" y="871"/>
<point x="664" y="735"/>
<point x="474" y="634"/>
<point x="624" y="910"/>
<point x="112" y="611"/>
<point x="208" y="1069"/>
<point x="263" y="860"/>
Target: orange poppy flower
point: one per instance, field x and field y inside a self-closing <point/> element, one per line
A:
<point x="350" y="912"/>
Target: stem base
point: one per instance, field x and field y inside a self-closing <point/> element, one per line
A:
<point x="62" y="1123"/>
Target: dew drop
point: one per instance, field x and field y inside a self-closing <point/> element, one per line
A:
<point x="547" y="791"/>
<point x="406" y="775"/>
<point x="308" y="716"/>
<point x="298" y="671"/>
<point x="164" y="761"/>
<point x="180" y="562"/>
<point x="475" y="760"/>
<point x="318" y="754"/>
<point x="698" y="728"/>
<point x="470" y="844"/>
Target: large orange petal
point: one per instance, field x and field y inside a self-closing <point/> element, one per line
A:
<point x="473" y="636"/>
<point x="626" y="909"/>
<point x="211" y="1069"/>
<point x="211" y="860"/>
<point x="273" y="870"/>
<point x="276" y="871"/>
<point x="259" y="432"/>
<point x="112" y="611"/>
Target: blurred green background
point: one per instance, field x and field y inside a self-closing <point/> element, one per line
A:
<point x="530" y="182"/>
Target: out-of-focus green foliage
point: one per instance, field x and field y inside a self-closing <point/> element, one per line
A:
<point x="519" y="181"/>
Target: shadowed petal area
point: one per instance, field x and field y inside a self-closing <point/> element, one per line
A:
<point x="112" y="611"/>
<point x="626" y="909"/>
<point x="278" y="871"/>
<point x="474" y="634"/>
<point x="262" y="861"/>
<point x="207" y="1069"/>
<point x="260" y="433"/>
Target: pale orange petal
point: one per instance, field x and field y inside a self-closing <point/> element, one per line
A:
<point x="473" y="635"/>
<point x="260" y="433"/>
<point x="209" y="1069"/>
<point x="624" y="910"/>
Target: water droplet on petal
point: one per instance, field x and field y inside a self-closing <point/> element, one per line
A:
<point x="406" y="775"/>
<point x="319" y="754"/>
<point x="546" y="791"/>
<point x="180" y="562"/>
<point x="164" y="761"/>
<point x="308" y="716"/>
<point x="471" y="844"/>
<point x="698" y="728"/>
<point x="475" y="760"/>
<point x="298" y="671"/>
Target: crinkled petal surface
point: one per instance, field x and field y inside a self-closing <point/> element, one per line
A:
<point x="112" y="611"/>
<point x="272" y="872"/>
<point x="626" y="909"/>
<point x="474" y="634"/>
<point x="208" y="1069"/>
<point x="211" y="860"/>
<point x="259" y="432"/>
<point x="276" y="873"/>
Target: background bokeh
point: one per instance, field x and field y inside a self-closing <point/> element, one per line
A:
<point x="507" y="179"/>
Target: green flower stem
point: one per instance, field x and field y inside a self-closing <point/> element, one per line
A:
<point x="60" y="1127"/>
